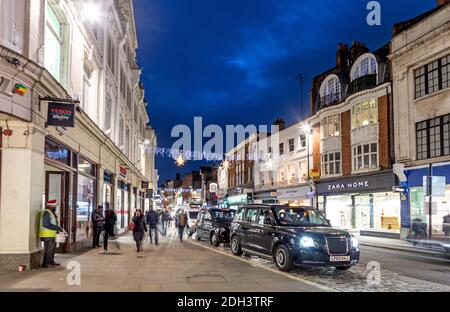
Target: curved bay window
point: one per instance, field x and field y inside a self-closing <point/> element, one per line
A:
<point x="364" y="114"/>
<point x="86" y="197"/>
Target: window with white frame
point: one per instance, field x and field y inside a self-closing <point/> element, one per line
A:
<point x="363" y="67"/>
<point x="331" y="163"/>
<point x="365" y="156"/>
<point x="54" y="43"/>
<point x="302" y="142"/>
<point x="127" y="142"/>
<point x="292" y="174"/>
<point x="331" y="126"/>
<point x="364" y="113"/>
<point x="330" y="91"/>
<point x="87" y="75"/>
<point x="282" y="176"/>
<point x="303" y="171"/>
<point x="291" y="145"/>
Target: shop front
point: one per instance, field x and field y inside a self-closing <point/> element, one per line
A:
<point x="266" y="197"/>
<point x="294" y="196"/>
<point x="363" y="203"/>
<point x="71" y="180"/>
<point x="123" y="207"/>
<point x="108" y="189"/>
<point x="234" y="202"/>
<point x="416" y="204"/>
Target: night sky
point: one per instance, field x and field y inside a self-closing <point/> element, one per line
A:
<point x="235" y="62"/>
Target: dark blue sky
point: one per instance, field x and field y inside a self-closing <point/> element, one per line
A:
<point x="235" y="62"/>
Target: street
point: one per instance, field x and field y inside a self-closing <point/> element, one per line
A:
<point x="194" y="266"/>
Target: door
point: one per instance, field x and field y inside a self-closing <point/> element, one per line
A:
<point x="205" y="224"/>
<point x="248" y="229"/>
<point x="264" y="233"/>
<point x="56" y="186"/>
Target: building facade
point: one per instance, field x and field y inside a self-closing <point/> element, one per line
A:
<point x="58" y="50"/>
<point x="192" y="186"/>
<point x="421" y="80"/>
<point x="351" y="106"/>
<point x="281" y="166"/>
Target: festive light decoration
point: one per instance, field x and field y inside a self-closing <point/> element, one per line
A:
<point x="180" y="161"/>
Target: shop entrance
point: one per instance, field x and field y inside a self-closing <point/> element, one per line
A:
<point x="57" y="187"/>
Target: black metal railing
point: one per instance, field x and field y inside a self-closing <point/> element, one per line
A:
<point x="330" y="99"/>
<point x="362" y="83"/>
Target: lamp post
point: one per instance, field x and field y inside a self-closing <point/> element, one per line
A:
<point x="307" y="130"/>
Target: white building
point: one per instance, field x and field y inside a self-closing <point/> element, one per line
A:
<point x="77" y="50"/>
<point x="281" y="166"/>
<point x="421" y="86"/>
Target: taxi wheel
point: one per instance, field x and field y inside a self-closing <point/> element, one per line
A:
<point x="283" y="259"/>
<point x="236" y="246"/>
<point x="215" y="240"/>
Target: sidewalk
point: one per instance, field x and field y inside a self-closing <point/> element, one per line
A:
<point x="431" y="247"/>
<point x="171" y="266"/>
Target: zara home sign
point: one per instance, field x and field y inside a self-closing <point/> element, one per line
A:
<point x="354" y="185"/>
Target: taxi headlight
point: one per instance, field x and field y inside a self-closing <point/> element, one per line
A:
<point x="307" y="242"/>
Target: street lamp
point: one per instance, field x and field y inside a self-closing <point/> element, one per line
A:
<point x="307" y="130"/>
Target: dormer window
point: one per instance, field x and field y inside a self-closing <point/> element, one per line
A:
<point x="330" y="91"/>
<point x="366" y="65"/>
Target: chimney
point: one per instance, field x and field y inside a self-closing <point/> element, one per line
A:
<point x="280" y="123"/>
<point x="357" y="49"/>
<point x="342" y="55"/>
<point x="442" y="2"/>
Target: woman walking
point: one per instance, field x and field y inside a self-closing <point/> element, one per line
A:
<point x="139" y="229"/>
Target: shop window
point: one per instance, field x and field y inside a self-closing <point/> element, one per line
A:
<point x="291" y="145"/>
<point x="433" y="137"/>
<point x="54" y="43"/>
<point x="364" y="113"/>
<point x="86" y="168"/>
<point x="365" y="156"/>
<point x="432" y="77"/>
<point x="331" y="126"/>
<point x="292" y="175"/>
<point x="303" y="169"/>
<point x="331" y="163"/>
<point x="86" y="196"/>
<point x="282" y="177"/>
<point x="56" y="152"/>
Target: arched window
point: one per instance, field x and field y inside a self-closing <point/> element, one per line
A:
<point x="365" y="65"/>
<point x="330" y="91"/>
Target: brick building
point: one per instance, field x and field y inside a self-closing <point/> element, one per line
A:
<point x="192" y="181"/>
<point x="352" y="141"/>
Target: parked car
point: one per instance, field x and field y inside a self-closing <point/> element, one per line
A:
<point x="292" y="236"/>
<point x="213" y="225"/>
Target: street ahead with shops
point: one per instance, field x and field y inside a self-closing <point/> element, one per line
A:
<point x="194" y="266"/>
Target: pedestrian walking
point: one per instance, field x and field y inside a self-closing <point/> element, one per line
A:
<point x="48" y="229"/>
<point x="98" y="221"/>
<point x="165" y="219"/>
<point x="139" y="229"/>
<point x="109" y="225"/>
<point x="152" y="219"/>
<point x="446" y="225"/>
<point x="182" y="222"/>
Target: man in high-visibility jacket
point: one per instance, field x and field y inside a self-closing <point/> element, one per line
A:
<point x="48" y="228"/>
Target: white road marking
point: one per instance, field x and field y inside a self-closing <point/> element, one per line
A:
<point x="276" y="271"/>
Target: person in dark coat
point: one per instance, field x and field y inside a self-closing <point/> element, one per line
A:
<point x="165" y="219"/>
<point x="446" y="225"/>
<point x="109" y="225"/>
<point x="152" y="219"/>
<point x="97" y="225"/>
<point x="139" y="229"/>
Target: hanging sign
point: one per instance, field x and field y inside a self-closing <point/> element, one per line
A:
<point x="61" y="115"/>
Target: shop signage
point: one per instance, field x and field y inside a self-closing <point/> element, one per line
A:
<point x="213" y="187"/>
<point x="265" y="195"/>
<point x="349" y="185"/>
<point x="292" y="193"/>
<point x="144" y="185"/>
<point x="61" y="115"/>
<point x="315" y="173"/>
<point x="237" y="200"/>
<point x="123" y="172"/>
